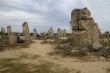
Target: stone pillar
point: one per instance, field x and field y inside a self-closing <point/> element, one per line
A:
<point x="9" y="31"/>
<point x="59" y="32"/>
<point x="26" y="33"/>
<point x="34" y="33"/>
<point x="12" y="39"/>
<point x="64" y="32"/>
<point x="2" y="30"/>
<point x="50" y="32"/>
<point x="85" y="30"/>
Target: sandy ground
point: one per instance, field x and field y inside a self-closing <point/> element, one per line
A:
<point x="42" y="50"/>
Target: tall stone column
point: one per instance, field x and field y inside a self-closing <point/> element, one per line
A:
<point x="12" y="39"/>
<point x="34" y="33"/>
<point x="64" y="32"/>
<point x="9" y="31"/>
<point x="2" y="30"/>
<point x="26" y="33"/>
<point x="50" y="32"/>
<point x="59" y="32"/>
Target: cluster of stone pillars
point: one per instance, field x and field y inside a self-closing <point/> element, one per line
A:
<point x="61" y="33"/>
<point x="12" y="36"/>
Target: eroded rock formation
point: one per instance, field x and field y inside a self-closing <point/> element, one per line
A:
<point x="2" y="30"/>
<point x="34" y="33"/>
<point x="61" y="33"/>
<point x="50" y="32"/>
<point x="9" y="31"/>
<point x="12" y="39"/>
<point x="85" y="30"/>
<point x="26" y="33"/>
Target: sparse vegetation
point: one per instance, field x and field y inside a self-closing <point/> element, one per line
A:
<point x="6" y="65"/>
<point x="67" y="52"/>
<point x="70" y="39"/>
<point x="78" y="72"/>
<point x="108" y="70"/>
<point x="24" y="55"/>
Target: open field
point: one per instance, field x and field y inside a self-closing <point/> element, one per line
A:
<point x="36" y="59"/>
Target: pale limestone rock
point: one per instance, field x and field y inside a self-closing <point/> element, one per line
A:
<point x="34" y="33"/>
<point x="2" y="30"/>
<point x="26" y="33"/>
<point x="50" y="32"/>
<point x="85" y="30"/>
<point x="9" y="31"/>
<point x="12" y="39"/>
<point x="61" y="33"/>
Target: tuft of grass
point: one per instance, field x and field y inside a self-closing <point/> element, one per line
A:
<point x="74" y="54"/>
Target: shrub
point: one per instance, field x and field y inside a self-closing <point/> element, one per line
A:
<point x="74" y="54"/>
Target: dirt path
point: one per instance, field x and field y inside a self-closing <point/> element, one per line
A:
<point x="39" y="49"/>
<point x="74" y="64"/>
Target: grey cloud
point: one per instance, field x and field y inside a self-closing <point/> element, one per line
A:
<point x="55" y="13"/>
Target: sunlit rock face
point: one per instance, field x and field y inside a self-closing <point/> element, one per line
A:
<point x="85" y="30"/>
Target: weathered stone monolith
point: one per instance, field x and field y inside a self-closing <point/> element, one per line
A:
<point x="9" y="31"/>
<point x="12" y="39"/>
<point x="34" y="33"/>
<point x="64" y="32"/>
<point x="85" y="30"/>
<point x="59" y="32"/>
<point x="26" y="33"/>
<point x="2" y="30"/>
<point x="50" y="32"/>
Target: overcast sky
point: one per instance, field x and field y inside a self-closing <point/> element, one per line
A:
<point x="43" y="14"/>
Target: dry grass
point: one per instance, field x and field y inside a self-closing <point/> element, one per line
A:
<point x="67" y="53"/>
<point x="108" y="70"/>
<point x="14" y="65"/>
<point x="7" y="66"/>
